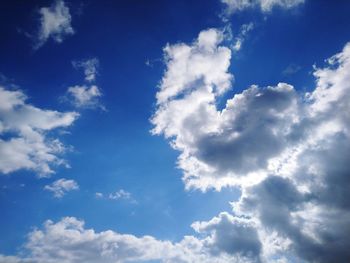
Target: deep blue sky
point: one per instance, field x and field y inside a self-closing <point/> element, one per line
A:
<point x="114" y="149"/>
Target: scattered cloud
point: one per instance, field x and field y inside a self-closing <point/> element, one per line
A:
<point x="61" y="186"/>
<point x="291" y="69"/>
<point x="55" y="23"/>
<point x="26" y="142"/>
<point x="90" y="67"/>
<point x="234" y="6"/>
<point x="84" y="96"/>
<point x="243" y="32"/>
<point x="287" y="151"/>
<point x="120" y="194"/>
<point x="99" y="195"/>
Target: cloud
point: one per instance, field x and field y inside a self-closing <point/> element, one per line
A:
<point x="232" y="235"/>
<point x="87" y="95"/>
<point x="98" y="195"/>
<point x="291" y="69"/>
<point x="84" y="96"/>
<point x="243" y="32"/>
<point x="61" y="186"/>
<point x="89" y="66"/>
<point x="202" y="62"/>
<point x="288" y="151"/>
<point x="68" y="241"/>
<point x="120" y="194"/>
<point x="26" y="141"/>
<point x="234" y="6"/>
<point x="219" y="147"/>
<point x="55" y="23"/>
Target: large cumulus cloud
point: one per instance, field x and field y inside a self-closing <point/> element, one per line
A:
<point x="288" y="152"/>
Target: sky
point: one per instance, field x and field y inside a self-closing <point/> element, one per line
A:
<point x="174" y="131"/>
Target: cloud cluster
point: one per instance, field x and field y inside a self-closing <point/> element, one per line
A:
<point x="68" y="241"/>
<point x="55" y="23"/>
<point x="87" y="95"/>
<point x="25" y="141"/>
<point x="219" y="147"/>
<point x="287" y="151"/>
<point x="234" y="6"/>
<point x="61" y="186"/>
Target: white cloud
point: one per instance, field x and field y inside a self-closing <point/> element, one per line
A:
<point x="84" y="96"/>
<point x="214" y="144"/>
<point x="234" y="6"/>
<point x="120" y="194"/>
<point x="68" y="241"/>
<point x="25" y="129"/>
<point x="61" y="186"/>
<point x="202" y="62"/>
<point x="98" y="195"/>
<point x="89" y="66"/>
<point x="243" y="32"/>
<point x="55" y="23"/>
<point x="288" y="151"/>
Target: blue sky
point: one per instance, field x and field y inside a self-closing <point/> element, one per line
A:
<point x="217" y="128"/>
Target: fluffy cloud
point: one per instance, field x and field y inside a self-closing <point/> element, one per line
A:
<point x="288" y="151"/>
<point x="219" y="147"/>
<point x="234" y="6"/>
<point x="84" y="96"/>
<point x="233" y="235"/>
<point x="55" y="23"/>
<point x="61" y="186"/>
<point x="68" y="241"/>
<point x="25" y="141"/>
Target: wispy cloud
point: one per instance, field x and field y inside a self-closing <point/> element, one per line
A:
<point x="243" y="32"/>
<point x="120" y="194"/>
<point x="90" y="67"/>
<point x="234" y="6"/>
<point x="61" y="186"/>
<point x="291" y="69"/>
